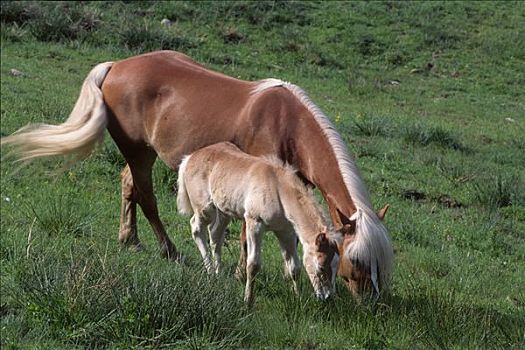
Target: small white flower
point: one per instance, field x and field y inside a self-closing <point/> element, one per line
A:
<point x="7" y="199"/>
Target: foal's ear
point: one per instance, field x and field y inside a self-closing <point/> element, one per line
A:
<point x="381" y="213"/>
<point x="321" y="240"/>
<point x="347" y="229"/>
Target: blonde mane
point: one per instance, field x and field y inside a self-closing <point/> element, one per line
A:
<point x="371" y="245"/>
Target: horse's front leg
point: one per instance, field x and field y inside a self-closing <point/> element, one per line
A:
<point x="128" y="213"/>
<point x="254" y="231"/>
<point x="240" y="271"/>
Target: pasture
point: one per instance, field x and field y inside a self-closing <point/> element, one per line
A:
<point x="429" y="98"/>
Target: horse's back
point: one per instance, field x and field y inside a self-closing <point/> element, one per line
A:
<point x="166" y="101"/>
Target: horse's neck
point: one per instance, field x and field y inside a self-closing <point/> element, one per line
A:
<point x="318" y="163"/>
<point x="311" y="144"/>
<point x="301" y="210"/>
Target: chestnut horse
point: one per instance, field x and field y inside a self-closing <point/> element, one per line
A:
<point x="163" y="104"/>
<point x="220" y="182"/>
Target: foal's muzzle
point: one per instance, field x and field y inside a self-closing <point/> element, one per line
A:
<point x="323" y="293"/>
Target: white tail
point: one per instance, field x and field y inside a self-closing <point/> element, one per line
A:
<point x="78" y="135"/>
<point x="183" y="201"/>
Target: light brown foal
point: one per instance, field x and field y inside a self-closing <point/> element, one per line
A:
<point x="220" y="182"/>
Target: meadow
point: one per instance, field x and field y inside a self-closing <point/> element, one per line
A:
<point x="429" y="97"/>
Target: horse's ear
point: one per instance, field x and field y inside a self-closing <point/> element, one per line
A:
<point x="381" y="213"/>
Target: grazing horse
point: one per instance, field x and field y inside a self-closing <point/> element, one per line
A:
<point x="163" y="104"/>
<point x="219" y="182"/>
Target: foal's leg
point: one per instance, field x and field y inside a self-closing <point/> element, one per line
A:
<point x="254" y="232"/>
<point x="292" y="263"/>
<point x="198" y="231"/>
<point x="240" y="271"/>
<point x="128" y="213"/>
<point x="141" y="166"/>
<point x="217" y="233"/>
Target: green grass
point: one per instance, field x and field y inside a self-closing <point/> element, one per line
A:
<point x="427" y="95"/>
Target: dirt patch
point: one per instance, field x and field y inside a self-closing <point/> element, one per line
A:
<point x="443" y="199"/>
<point x="414" y="195"/>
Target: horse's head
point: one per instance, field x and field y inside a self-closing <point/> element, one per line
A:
<point x="321" y="261"/>
<point x="360" y="279"/>
<point x="357" y="276"/>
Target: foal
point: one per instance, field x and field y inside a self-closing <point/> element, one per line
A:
<point x="219" y="182"/>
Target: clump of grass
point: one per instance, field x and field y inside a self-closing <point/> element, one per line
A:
<point x="424" y="136"/>
<point x="18" y="12"/>
<point x="372" y="126"/>
<point x="265" y="13"/>
<point x="452" y="171"/>
<point x="60" y="214"/>
<point x="499" y="191"/>
<point x="139" y="38"/>
<point x="14" y="33"/>
<point x="437" y="36"/>
<point x="368" y="45"/>
<point x="63" y="21"/>
<point x="84" y="302"/>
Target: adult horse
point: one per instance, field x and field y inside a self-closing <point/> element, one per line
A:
<point x="163" y="104"/>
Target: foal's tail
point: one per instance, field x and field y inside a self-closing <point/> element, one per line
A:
<point x="183" y="200"/>
<point x="78" y="135"/>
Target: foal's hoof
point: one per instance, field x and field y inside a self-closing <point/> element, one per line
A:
<point x="249" y="300"/>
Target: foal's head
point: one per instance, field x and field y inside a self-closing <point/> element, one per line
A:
<point x="321" y="261"/>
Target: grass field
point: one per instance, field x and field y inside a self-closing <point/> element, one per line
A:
<point x="429" y="97"/>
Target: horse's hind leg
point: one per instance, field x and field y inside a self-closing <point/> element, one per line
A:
<point x="141" y="167"/>
<point x="128" y="213"/>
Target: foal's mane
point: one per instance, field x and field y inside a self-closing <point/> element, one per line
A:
<point x="371" y="245"/>
<point x="305" y="196"/>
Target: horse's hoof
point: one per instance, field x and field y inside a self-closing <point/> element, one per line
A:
<point x="181" y="259"/>
<point x="174" y="256"/>
<point x="135" y="248"/>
